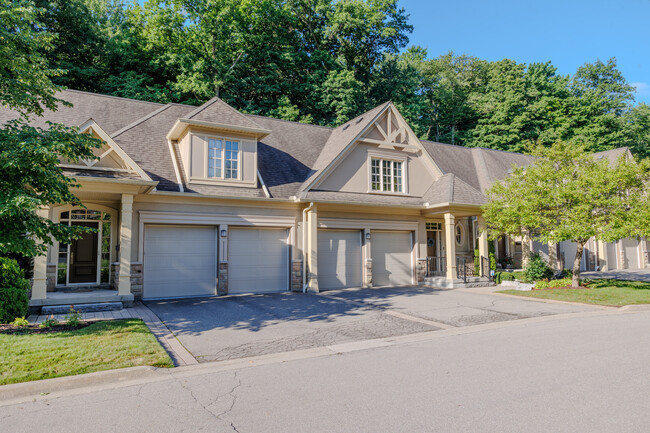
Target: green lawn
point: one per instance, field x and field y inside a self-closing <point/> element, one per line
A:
<point x="100" y="346"/>
<point x="601" y="292"/>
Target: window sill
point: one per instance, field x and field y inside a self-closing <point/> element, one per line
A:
<point x="399" y="194"/>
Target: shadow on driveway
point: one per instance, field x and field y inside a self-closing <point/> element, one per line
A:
<point x="249" y="325"/>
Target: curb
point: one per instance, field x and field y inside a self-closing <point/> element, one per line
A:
<point x="112" y="379"/>
<point x="58" y="384"/>
<point x="547" y="301"/>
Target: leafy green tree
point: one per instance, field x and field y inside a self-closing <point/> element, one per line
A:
<point x="78" y="45"/>
<point x="29" y="156"/>
<point x="600" y="98"/>
<point x="567" y="195"/>
<point x="449" y="82"/>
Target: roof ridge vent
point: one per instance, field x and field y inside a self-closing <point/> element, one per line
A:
<point x="346" y="126"/>
<point x="359" y="120"/>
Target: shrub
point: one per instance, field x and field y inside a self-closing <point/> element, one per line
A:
<point x="14" y="289"/>
<point x="14" y="303"/>
<point x="20" y="322"/>
<point x="553" y="284"/>
<point x="493" y="262"/>
<point x="73" y="318"/>
<point x="510" y="276"/>
<point x="49" y="322"/>
<point x="537" y="268"/>
<point x="11" y="275"/>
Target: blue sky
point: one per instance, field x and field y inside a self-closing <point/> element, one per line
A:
<point x="568" y="33"/>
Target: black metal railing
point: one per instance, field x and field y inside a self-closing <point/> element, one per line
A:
<point x="461" y="268"/>
<point x="436" y="266"/>
<point x="485" y="268"/>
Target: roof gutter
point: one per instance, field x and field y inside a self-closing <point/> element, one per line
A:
<point x="175" y="163"/>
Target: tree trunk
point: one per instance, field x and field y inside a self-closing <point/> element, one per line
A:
<point x="575" y="279"/>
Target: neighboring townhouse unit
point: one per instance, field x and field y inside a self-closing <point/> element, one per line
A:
<point x="202" y="201"/>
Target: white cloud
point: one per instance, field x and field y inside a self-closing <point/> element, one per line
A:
<point x="642" y="89"/>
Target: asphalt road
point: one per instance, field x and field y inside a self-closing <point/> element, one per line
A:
<point x="585" y="372"/>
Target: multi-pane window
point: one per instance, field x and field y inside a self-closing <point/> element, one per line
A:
<point x="232" y="159"/>
<point x="386" y="175"/>
<point x="223" y="159"/>
<point x="215" y="148"/>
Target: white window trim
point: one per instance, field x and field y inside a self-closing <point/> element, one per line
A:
<point x="462" y="234"/>
<point x="206" y="145"/>
<point x="392" y="158"/>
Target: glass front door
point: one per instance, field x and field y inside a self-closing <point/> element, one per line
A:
<point x="83" y="255"/>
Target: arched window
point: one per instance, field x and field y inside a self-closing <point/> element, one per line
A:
<point x="460" y="234"/>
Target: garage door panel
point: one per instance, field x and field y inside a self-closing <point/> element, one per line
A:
<point x="631" y="249"/>
<point x="179" y="261"/>
<point x="391" y="259"/>
<point x="258" y="260"/>
<point x="339" y="259"/>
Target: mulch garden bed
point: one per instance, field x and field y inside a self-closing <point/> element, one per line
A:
<point x="35" y="329"/>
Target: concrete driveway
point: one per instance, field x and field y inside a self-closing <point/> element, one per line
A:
<point x="621" y="274"/>
<point x="216" y="329"/>
<point x="454" y="307"/>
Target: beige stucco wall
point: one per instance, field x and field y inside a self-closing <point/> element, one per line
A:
<point x="194" y="150"/>
<point x="353" y="172"/>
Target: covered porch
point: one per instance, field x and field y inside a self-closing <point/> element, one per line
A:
<point x="453" y="233"/>
<point x="96" y="268"/>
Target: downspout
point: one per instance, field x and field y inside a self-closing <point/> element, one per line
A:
<point x="304" y="246"/>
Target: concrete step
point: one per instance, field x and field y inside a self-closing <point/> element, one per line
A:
<point x="84" y="308"/>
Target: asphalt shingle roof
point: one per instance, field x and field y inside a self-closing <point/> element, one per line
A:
<point x="289" y="157"/>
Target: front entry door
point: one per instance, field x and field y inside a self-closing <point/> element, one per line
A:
<point x="83" y="256"/>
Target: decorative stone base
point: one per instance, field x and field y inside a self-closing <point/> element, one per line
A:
<point x="222" y="279"/>
<point x="421" y="270"/>
<point x="296" y="276"/>
<point x="115" y="275"/>
<point x="444" y="283"/>
<point x="368" y="272"/>
<point x="136" y="280"/>
<point x="50" y="277"/>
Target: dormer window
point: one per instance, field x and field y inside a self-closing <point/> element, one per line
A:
<point x="223" y="159"/>
<point x="386" y="175"/>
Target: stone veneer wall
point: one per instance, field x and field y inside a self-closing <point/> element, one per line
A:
<point x="137" y="278"/>
<point x="222" y="278"/>
<point x="421" y="270"/>
<point x="115" y="275"/>
<point x="296" y="276"/>
<point x="50" y="278"/>
<point x="368" y="272"/>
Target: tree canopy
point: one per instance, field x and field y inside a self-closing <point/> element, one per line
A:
<point x="31" y="177"/>
<point x="325" y="61"/>
<point x="567" y="194"/>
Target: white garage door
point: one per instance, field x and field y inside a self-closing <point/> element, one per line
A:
<point x="391" y="259"/>
<point x="631" y="248"/>
<point x="339" y="259"/>
<point x="258" y="260"/>
<point x="179" y="261"/>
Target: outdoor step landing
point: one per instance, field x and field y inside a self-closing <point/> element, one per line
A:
<point x="84" y="308"/>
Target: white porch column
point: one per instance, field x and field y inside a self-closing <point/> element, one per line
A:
<point x="450" y="245"/>
<point x="39" y="282"/>
<point x="312" y="257"/>
<point x="126" y="218"/>
<point x="483" y="250"/>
